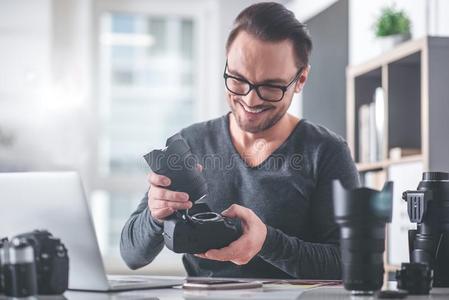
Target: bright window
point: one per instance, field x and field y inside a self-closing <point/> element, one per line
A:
<point x="147" y="83"/>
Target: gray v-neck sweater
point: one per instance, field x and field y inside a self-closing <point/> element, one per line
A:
<point x="290" y="191"/>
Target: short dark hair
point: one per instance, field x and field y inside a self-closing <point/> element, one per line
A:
<point x="271" y="21"/>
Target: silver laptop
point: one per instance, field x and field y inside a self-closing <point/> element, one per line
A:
<point x="55" y="201"/>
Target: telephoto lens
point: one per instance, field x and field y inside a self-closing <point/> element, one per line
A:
<point x="20" y="270"/>
<point x="362" y="215"/>
<point x="428" y="207"/>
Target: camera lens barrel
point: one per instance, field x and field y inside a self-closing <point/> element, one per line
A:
<point x="362" y="215"/>
<point x="20" y="270"/>
<point x="435" y="176"/>
<point x="3" y="259"/>
<point x="362" y="258"/>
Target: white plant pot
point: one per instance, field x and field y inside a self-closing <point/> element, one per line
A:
<point x="391" y="41"/>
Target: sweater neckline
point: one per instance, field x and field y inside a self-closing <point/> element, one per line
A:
<point x="235" y="152"/>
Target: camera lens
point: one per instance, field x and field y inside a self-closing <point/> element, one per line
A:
<point x="20" y="277"/>
<point x="435" y="176"/>
<point x="362" y="215"/>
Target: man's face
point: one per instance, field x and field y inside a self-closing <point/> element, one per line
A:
<point x="262" y="62"/>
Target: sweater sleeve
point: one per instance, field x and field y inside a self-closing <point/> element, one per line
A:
<point x="141" y="239"/>
<point x="320" y="257"/>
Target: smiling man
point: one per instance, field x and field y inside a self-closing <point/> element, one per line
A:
<point x="270" y="169"/>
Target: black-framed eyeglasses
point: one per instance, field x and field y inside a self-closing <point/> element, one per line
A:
<point x="266" y="92"/>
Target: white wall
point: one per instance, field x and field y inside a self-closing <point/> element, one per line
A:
<point x="42" y="85"/>
<point x="363" y="44"/>
<point x="305" y="9"/>
<point x="427" y="16"/>
<point x="439" y="13"/>
<point x="24" y="74"/>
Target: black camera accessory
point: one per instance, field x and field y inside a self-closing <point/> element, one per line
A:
<point x="3" y="259"/>
<point x="362" y="215"/>
<point x="52" y="261"/>
<point x="195" y="230"/>
<point x="415" y="278"/>
<point x="428" y="207"/>
<point x="20" y="270"/>
<point x="178" y="163"/>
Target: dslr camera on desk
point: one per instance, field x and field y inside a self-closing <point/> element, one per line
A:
<point x="33" y="263"/>
<point x="198" y="229"/>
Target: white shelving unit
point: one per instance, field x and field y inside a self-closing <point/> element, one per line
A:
<point x="414" y="77"/>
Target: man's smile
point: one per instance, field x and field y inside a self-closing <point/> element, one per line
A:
<point x="253" y="111"/>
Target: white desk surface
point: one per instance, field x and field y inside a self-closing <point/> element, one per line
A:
<point x="320" y="293"/>
<point x="278" y="292"/>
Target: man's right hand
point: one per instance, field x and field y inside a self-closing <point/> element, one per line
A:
<point x="163" y="202"/>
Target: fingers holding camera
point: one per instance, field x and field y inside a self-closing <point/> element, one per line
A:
<point x="167" y="195"/>
<point x="159" y="180"/>
<point x="160" y="214"/>
<point x="161" y="208"/>
<point x="163" y="202"/>
<point x="242" y="250"/>
<point x="159" y="204"/>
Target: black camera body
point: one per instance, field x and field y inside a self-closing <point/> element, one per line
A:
<point x="428" y="207"/>
<point x="52" y="262"/>
<point x="48" y="262"/>
<point x="194" y="234"/>
<point x="198" y="229"/>
<point x="362" y="214"/>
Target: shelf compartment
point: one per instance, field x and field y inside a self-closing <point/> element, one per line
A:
<point x="404" y="102"/>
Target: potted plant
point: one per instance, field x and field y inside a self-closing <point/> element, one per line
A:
<point x="392" y="27"/>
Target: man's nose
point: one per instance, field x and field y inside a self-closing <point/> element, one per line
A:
<point x="252" y="99"/>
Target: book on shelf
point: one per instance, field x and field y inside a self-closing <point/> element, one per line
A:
<point x="379" y="116"/>
<point x="371" y="128"/>
<point x="364" y="133"/>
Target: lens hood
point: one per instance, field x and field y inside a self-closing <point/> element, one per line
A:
<point x="362" y="214"/>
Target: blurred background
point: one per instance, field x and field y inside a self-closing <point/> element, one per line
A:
<point x="92" y="85"/>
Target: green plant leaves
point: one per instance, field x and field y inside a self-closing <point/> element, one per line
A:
<point x="391" y="22"/>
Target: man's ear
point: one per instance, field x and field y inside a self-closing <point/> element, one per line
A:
<point x="302" y="79"/>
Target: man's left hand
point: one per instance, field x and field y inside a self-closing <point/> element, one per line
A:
<point x="242" y="250"/>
